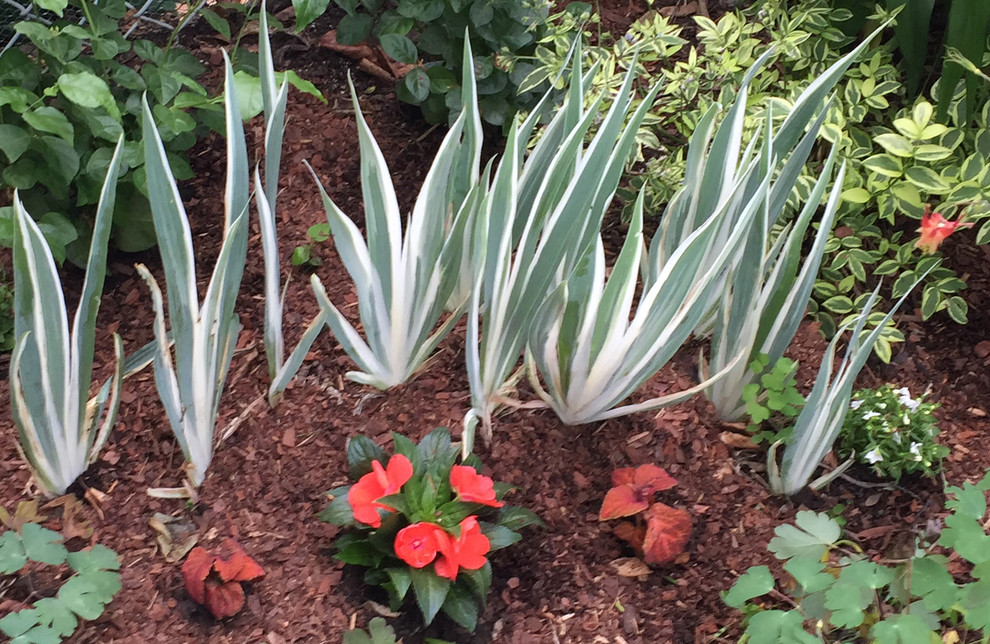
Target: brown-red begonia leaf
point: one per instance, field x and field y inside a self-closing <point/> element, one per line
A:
<point x="622" y="501"/>
<point x="653" y="477"/>
<point x="631" y="533"/>
<point x="234" y="564"/>
<point x="195" y="570"/>
<point x="623" y="476"/>
<point x="223" y="599"/>
<point x="667" y="532"/>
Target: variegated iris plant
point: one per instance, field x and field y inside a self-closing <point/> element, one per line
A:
<point x="52" y="364"/>
<point x="404" y="279"/>
<point x="280" y="369"/>
<point x="205" y="333"/>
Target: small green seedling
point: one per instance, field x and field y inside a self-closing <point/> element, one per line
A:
<point x="302" y="256"/>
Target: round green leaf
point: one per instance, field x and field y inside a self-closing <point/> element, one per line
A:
<point x="400" y="48"/>
<point x="417" y="82"/>
<point x="354" y="29"/>
<point x="754" y="582"/>
<point x="88" y="90"/>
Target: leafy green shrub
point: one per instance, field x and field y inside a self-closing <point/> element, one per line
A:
<point x="429" y="34"/>
<point x="7" y="336"/>
<point x="65" y="99"/>
<point x="84" y="594"/>
<point x="773" y="398"/>
<point x="838" y="594"/>
<point x="418" y="521"/>
<point x="892" y="432"/>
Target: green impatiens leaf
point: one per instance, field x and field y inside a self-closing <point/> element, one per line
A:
<point x="461" y="607"/>
<point x="754" y="582"/>
<point x="431" y="592"/>
<point x="812" y="536"/>
<point x="12" y="557"/>
<point x="42" y="545"/>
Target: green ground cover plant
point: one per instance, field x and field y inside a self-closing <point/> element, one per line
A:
<point x="892" y="432"/>
<point x="839" y="595"/>
<point x="65" y="101"/>
<point x="89" y="587"/>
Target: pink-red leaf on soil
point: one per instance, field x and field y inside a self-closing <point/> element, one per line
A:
<point x="667" y="532"/>
<point x="195" y="570"/>
<point x="223" y="599"/>
<point x="622" y="501"/>
<point x="234" y="564"/>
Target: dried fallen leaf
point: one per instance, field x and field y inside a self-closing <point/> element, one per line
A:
<point x="737" y="441"/>
<point x="667" y="532"/>
<point x="175" y="537"/>
<point x="631" y="567"/>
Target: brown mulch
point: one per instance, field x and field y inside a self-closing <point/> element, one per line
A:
<point x="560" y="584"/>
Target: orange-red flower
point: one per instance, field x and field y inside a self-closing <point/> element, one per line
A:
<point x="935" y="228"/>
<point x="374" y="485"/>
<point x="472" y="487"/>
<point x="417" y="544"/>
<point x="466" y="551"/>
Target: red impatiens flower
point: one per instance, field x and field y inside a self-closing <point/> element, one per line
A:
<point x="935" y="228"/>
<point x="633" y="489"/>
<point x="376" y="484"/>
<point x="466" y="551"/>
<point x="472" y="487"/>
<point x="417" y="544"/>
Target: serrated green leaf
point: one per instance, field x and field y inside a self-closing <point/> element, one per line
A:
<point x="361" y="451"/>
<point x="461" y="606"/>
<point x="931" y="580"/>
<point x="903" y="629"/>
<point x="52" y="613"/>
<point x="810" y="538"/>
<point x="808" y="573"/>
<point x="42" y="545"/>
<point x="754" y="582"/>
<point x="12" y="556"/>
<point x="98" y="558"/>
<point x="779" y="627"/>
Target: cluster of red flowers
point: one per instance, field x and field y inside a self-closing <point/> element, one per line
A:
<point x="423" y="543"/>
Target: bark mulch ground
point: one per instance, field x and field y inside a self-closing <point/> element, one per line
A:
<point x="561" y="584"/>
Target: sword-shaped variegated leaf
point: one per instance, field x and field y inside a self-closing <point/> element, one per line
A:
<point x="825" y="409"/>
<point x="539" y="219"/>
<point x="280" y="369"/>
<point x="405" y="278"/>
<point x="204" y="333"/>
<point x="51" y="367"/>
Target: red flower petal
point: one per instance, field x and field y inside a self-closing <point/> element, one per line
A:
<point x="472" y="487"/>
<point x="466" y="551"/>
<point x="223" y="599"/>
<point x="935" y="228"/>
<point x="195" y="570"/>
<point x="667" y="532"/>
<point x="234" y="564"/>
<point x="417" y="544"/>
<point x="379" y="482"/>
<point x="622" y="501"/>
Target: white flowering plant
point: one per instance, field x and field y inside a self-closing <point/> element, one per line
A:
<point x="892" y="432"/>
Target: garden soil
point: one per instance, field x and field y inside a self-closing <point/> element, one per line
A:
<point x="567" y="582"/>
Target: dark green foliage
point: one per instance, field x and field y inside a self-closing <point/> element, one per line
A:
<point x="64" y="102"/>
<point x="429" y="34"/>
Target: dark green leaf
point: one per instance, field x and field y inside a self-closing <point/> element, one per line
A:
<point x="400" y="48"/>
<point x="515" y="518"/>
<point x="461" y="606"/>
<point x="417" y="83"/>
<point x="338" y="512"/>
<point x="354" y="29"/>
<point x="361" y="451"/>
<point x="430" y="590"/>
<point x="499" y="537"/>
<point x="14" y="141"/>
<point x="49" y="119"/>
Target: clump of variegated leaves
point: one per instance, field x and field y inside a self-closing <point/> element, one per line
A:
<point x="892" y="432"/>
